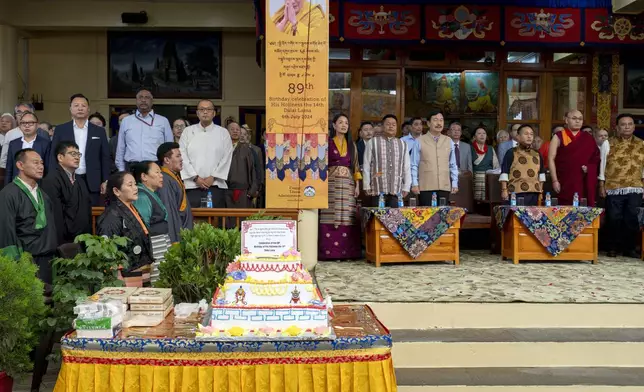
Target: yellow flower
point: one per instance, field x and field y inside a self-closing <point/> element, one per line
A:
<point x="293" y="331"/>
<point x="236" y="331"/>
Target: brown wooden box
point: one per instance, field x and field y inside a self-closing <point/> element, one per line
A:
<point x="518" y="243"/>
<point x="382" y="247"/>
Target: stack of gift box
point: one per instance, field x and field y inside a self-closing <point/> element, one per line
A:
<point x="105" y="313"/>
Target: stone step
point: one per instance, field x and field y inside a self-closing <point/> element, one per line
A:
<point x="518" y="354"/>
<point x="429" y="315"/>
<point x="490" y="379"/>
<point x="496" y="335"/>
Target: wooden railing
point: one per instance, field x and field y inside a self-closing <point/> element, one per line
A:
<point x="221" y="217"/>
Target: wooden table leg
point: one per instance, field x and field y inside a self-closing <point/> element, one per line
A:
<point x="516" y="226"/>
<point x="457" y="245"/>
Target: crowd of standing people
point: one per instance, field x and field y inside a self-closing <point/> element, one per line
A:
<point x="426" y="162"/>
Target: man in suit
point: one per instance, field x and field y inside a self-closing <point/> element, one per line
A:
<point x="31" y="139"/>
<point x="462" y="150"/>
<point x="510" y="144"/>
<point x="94" y="167"/>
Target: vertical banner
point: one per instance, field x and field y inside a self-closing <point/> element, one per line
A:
<point x="297" y="85"/>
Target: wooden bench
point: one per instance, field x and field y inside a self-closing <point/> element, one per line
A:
<point x="220" y="216"/>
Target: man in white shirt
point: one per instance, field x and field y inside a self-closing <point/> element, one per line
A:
<point x="462" y="150"/>
<point x="16" y="133"/>
<point x="94" y="167"/>
<point x="510" y="144"/>
<point x="207" y="150"/>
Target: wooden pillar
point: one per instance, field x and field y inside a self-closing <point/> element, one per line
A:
<point x="307" y="238"/>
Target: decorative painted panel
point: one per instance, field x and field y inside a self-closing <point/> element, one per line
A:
<point x="382" y="21"/>
<point x="548" y="25"/>
<point x="463" y="23"/>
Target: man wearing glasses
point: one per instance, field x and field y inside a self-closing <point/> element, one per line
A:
<point x="16" y="133"/>
<point x="70" y="197"/>
<point x="94" y="164"/>
<point x="207" y="151"/>
<point x="141" y="134"/>
<point x="573" y="160"/>
<point x="30" y="139"/>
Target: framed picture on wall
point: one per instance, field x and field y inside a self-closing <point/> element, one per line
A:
<point x="633" y="87"/>
<point x="481" y="92"/>
<point x="443" y="91"/>
<point x="172" y="64"/>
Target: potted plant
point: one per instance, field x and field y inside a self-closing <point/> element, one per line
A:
<point x="90" y="270"/>
<point x="21" y="307"/>
<point x="196" y="265"/>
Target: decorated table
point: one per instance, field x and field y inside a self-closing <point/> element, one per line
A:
<point x="169" y="358"/>
<point x="548" y="233"/>
<point x="412" y="234"/>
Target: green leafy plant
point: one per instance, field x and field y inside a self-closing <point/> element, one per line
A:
<point x="22" y="306"/>
<point x="84" y="275"/>
<point x="196" y="266"/>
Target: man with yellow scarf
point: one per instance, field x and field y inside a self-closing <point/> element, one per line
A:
<point x="296" y="17"/>
<point x="173" y="192"/>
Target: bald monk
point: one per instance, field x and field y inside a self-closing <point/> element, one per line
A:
<point x="297" y="16"/>
<point x="573" y="160"/>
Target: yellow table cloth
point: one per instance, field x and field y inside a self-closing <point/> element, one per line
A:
<point x="358" y="360"/>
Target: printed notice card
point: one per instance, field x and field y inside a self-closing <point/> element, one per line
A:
<point x="270" y="237"/>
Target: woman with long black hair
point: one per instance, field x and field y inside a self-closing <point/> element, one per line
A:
<point x="339" y="231"/>
<point x="122" y="219"/>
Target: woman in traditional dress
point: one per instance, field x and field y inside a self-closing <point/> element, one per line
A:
<point x="484" y="159"/>
<point x="122" y="219"/>
<point x="339" y="234"/>
<point x="149" y="179"/>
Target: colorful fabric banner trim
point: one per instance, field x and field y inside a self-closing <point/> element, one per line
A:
<point x="554" y="227"/>
<point x="168" y="345"/>
<point x="368" y="371"/>
<point x="415" y="228"/>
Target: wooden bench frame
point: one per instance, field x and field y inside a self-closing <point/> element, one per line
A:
<point x="219" y="217"/>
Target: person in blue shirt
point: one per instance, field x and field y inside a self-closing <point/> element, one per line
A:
<point x="141" y="134"/>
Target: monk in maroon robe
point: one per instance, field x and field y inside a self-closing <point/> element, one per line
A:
<point x="574" y="161"/>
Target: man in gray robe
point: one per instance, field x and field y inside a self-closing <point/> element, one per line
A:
<point x="173" y="192"/>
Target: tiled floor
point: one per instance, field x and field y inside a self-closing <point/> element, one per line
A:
<point x="49" y="381"/>
<point x="482" y="277"/>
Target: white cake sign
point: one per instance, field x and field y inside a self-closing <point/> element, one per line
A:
<point x="270" y="237"/>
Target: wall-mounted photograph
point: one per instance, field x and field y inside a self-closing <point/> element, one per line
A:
<point x="633" y="87"/>
<point x="172" y="64"/>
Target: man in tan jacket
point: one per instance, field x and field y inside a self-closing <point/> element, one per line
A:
<point x="433" y="164"/>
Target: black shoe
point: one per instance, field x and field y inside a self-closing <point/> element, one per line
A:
<point x="612" y="253"/>
<point x="632" y="254"/>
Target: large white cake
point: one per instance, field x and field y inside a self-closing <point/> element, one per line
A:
<point x="268" y="296"/>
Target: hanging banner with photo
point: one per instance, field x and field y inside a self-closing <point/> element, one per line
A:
<point x="297" y="81"/>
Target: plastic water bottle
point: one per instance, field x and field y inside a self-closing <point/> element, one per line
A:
<point x="401" y="202"/>
<point x="548" y="200"/>
<point x="209" y="200"/>
<point x="381" y="200"/>
<point x="513" y="199"/>
<point x="575" y="200"/>
<point x="434" y="199"/>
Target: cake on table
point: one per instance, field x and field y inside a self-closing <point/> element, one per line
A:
<point x="266" y="296"/>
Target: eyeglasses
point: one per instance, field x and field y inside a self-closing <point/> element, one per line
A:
<point x="28" y="123"/>
<point x="75" y="154"/>
<point x="179" y="126"/>
<point x="206" y="110"/>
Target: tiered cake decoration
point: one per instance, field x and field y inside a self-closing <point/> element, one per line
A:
<point x="270" y="297"/>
